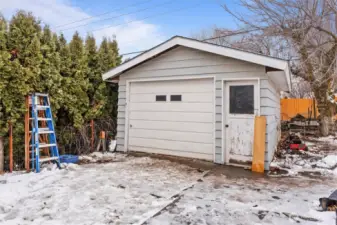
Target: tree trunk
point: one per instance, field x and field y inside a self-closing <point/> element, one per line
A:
<point x="324" y="107"/>
<point x="324" y="125"/>
<point x="1" y="154"/>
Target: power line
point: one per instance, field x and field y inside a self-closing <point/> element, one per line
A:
<point x="132" y="21"/>
<point x="207" y="39"/>
<point x="114" y="17"/>
<point x="102" y="14"/>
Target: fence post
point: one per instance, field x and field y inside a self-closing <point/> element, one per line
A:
<point x="92" y="135"/>
<point x="10" y="147"/>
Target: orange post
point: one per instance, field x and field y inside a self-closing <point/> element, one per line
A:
<point x="259" y="144"/>
<point x="92" y="134"/>
<point x="27" y="135"/>
<point x="10" y="147"/>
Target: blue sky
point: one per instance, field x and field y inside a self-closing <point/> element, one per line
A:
<point x="133" y="32"/>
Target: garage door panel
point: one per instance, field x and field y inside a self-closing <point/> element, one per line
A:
<point x="183" y="128"/>
<point x="172" y="145"/>
<point x="172" y="116"/>
<point x="171" y="152"/>
<point x="186" y="97"/>
<point x="172" y="135"/>
<point x="184" y="86"/>
<point x="172" y="126"/>
<point x="172" y="107"/>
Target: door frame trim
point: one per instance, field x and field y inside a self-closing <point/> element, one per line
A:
<point x="127" y="99"/>
<point x="225" y="154"/>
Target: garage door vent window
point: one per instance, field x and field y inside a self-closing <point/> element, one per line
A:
<point x="241" y="99"/>
<point x="175" y="98"/>
<point x="160" y="98"/>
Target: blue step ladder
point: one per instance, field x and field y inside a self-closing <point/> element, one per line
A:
<point x="43" y="138"/>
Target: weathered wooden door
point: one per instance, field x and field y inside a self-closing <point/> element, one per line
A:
<point x="240" y="108"/>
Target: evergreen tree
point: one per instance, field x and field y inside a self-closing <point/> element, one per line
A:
<point x="76" y="84"/>
<point x="109" y="58"/>
<point x="23" y="40"/>
<point x="50" y="68"/>
<point x="106" y="56"/>
<point x="13" y="88"/>
<point x="113" y="46"/>
<point x="96" y="89"/>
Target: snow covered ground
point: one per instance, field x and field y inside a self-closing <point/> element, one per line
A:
<point x="130" y="190"/>
<point x="320" y="159"/>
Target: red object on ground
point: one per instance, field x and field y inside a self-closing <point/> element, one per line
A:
<point x="298" y="147"/>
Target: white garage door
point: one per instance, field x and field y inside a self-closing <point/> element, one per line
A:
<point x="172" y="118"/>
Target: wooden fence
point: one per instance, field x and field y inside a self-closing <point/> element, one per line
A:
<point x="293" y="106"/>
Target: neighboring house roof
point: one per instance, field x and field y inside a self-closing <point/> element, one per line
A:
<point x="271" y="62"/>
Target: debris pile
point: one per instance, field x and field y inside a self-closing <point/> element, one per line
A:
<point x="298" y="157"/>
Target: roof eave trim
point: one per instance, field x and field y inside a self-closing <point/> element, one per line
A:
<point x="202" y="46"/>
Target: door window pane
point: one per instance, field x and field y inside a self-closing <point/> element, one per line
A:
<point x="241" y="99"/>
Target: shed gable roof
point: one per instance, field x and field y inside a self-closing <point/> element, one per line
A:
<point x="267" y="61"/>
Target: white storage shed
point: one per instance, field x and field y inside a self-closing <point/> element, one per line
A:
<point x="194" y="99"/>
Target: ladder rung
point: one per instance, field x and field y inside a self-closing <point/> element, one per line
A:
<point x="41" y="94"/>
<point x="41" y="119"/>
<point x="42" y="107"/>
<point x="46" y="145"/>
<point x="48" y="159"/>
<point x="44" y="131"/>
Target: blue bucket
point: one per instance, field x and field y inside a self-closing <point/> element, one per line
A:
<point x="68" y="158"/>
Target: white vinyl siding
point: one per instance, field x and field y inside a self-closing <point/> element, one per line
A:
<point x="270" y="107"/>
<point x="183" y="62"/>
<point x="174" y="128"/>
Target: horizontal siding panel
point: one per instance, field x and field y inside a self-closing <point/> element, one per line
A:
<point x="218" y="142"/>
<point x="163" y="151"/>
<point x="121" y="101"/>
<point x="121" y="115"/>
<point x="218" y="151"/>
<point x="218" y="118"/>
<point x="172" y="126"/>
<point x="269" y="102"/>
<point x="120" y="141"/>
<point x="181" y="86"/>
<point x="205" y="138"/>
<point x="121" y="95"/>
<point x="189" y="71"/>
<point x="120" y="128"/>
<point x="120" y="148"/>
<point x="211" y="67"/>
<point x="120" y="134"/>
<point x="264" y="83"/>
<point x="172" y="145"/>
<point x="172" y="116"/>
<point x="186" y="97"/>
<point x="121" y="88"/>
<point x="218" y="101"/>
<point x="172" y="107"/>
<point x="268" y="111"/>
<point x="218" y="109"/>
<point x="218" y="126"/>
<point x="121" y="121"/>
<point x="224" y="62"/>
<point x="242" y="74"/>
<point x="218" y="84"/>
<point x="218" y="134"/>
<point x="121" y="108"/>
